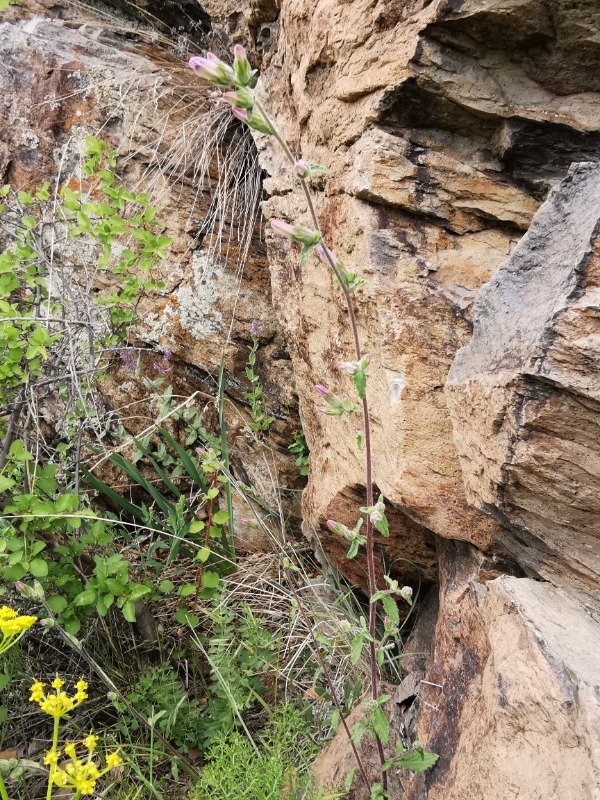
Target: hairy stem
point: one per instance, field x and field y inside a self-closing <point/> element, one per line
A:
<point x="369" y="546"/>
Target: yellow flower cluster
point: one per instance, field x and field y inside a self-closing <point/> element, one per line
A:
<point x="59" y="703"/>
<point x="12" y="627"/>
<point x="77" y="774"/>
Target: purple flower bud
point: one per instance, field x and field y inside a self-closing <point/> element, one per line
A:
<point x="323" y="251"/>
<point x="320" y="389"/>
<point x="213" y="69"/>
<point x="376" y="517"/>
<point x="21" y="587"/>
<point x="283" y="228"/>
<point x="255" y="327"/>
<point x="406" y="592"/>
<point x="337" y="527"/>
<point x="241" y="65"/>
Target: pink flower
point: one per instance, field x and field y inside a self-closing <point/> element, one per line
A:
<point x="302" y="168"/>
<point x="240" y="113"/>
<point x="283" y="228"/>
<point x="320" y="389"/>
<point x="213" y="69"/>
<point x="241" y="66"/>
<point x="297" y="233"/>
<point x="242" y="98"/>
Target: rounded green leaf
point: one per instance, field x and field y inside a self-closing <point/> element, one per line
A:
<point x="38" y="568"/>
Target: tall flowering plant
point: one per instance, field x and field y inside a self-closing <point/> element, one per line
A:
<point x="237" y="82"/>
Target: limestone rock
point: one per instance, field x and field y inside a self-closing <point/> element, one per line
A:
<point x="524" y="394"/>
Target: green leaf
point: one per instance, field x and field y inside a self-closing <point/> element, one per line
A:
<point x="203" y="554"/>
<point x="38" y="568"/>
<point x="85" y="598"/>
<point x="380" y="724"/>
<point x="417" y="760"/>
<point x="210" y="579"/>
<point x="220" y="517"/>
<point x="196" y="526"/>
<point x="356" y="649"/>
<point x="129" y="610"/>
<point x="390" y="608"/>
<point x="359" y="729"/>
<point x="57" y="603"/>
<point x="360" y="383"/>
<point x="166" y="586"/>
<point x="186" y="590"/>
<point x="6" y="483"/>
<point x="183" y="617"/>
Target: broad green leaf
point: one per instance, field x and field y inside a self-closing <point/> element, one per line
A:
<point x="220" y="517"/>
<point x="210" y="579"/>
<point x="38" y="568"/>
<point x="129" y="610"/>
<point x="85" y="598"/>
<point x="57" y="603"/>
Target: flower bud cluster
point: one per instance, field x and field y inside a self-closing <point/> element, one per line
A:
<point x="240" y="77"/>
<point x="335" y="406"/>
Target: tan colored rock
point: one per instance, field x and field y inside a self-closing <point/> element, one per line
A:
<point x="517" y="714"/>
<point x="524" y="393"/>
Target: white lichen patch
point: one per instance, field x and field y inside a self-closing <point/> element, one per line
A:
<point x="396" y="384"/>
<point x="198" y="300"/>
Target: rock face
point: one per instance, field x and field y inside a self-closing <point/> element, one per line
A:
<point x="515" y="712"/>
<point x="444" y="126"/>
<point x="61" y="80"/>
<point x="524" y="394"/>
<point x="462" y="139"/>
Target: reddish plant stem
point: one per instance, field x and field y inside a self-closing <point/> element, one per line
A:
<point x="369" y="545"/>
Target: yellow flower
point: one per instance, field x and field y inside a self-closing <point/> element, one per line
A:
<point x="52" y="758"/>
<point x="78" y="775"/>
<point x="90" y="742"/>
<point x="37" y="692"/>
<point x="7" y="613"/>
<point x="70" y="750"/>
<point x="12" y="627"/>
<point x="113" y="760"/>
<point x="59" y="703"/>
<point x="81" y="695"/>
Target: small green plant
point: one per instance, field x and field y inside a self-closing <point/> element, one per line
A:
<point x="47" y="531"/>
<point x="240" y="652"/>
<point x="261" y="422"/>
<point x="277" y="768"/>
<point x="299" y="448"/>
<point x="160" y="697"/>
